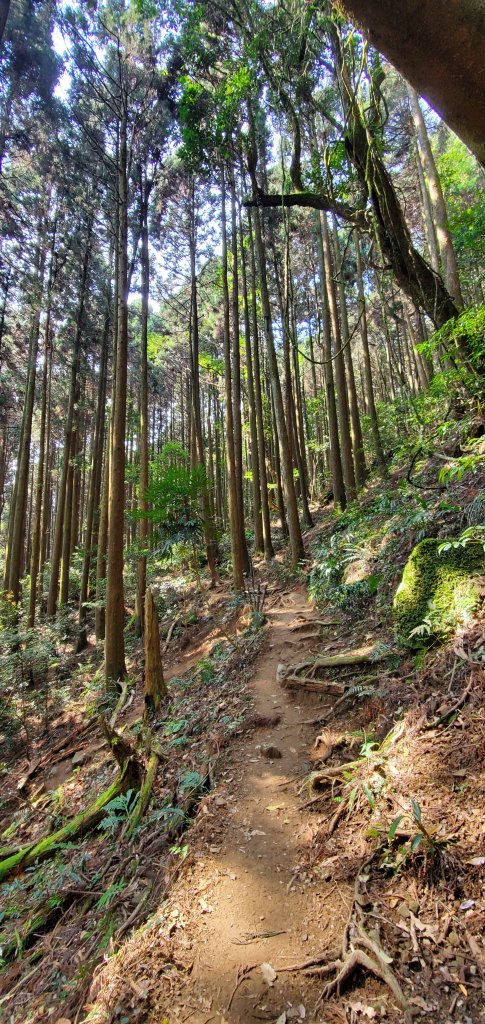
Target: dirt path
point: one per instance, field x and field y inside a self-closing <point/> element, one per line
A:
<point x="242" y="902"/>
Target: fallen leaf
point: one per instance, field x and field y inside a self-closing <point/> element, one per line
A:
<point x="205" y="906"/>
<point x="269" y="974"/>
<point x="275" y="807"/>
<point x="477" y="861"/>
<point x="421" y="1004"/>
<point x="368" y="1011"/>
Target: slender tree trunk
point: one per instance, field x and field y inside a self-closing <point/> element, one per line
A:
<point x="236" y="380"/>
<point x="66" y="533"/>
<point x="427" y="216"/>
<point x="95" y="478"/>
<point x="445" y="244"/>
<point x="369" y="384"/>
<point x="208" y="525"/>
<point x="294" y="529"/>
<point x="238" y="556"/>
<point x="36" y="540"/>
<point x="261" y="447"/>
<point x="22" y="482"/>
<point x="335" y="459"/>
<point x="71" y="412"/>
<point x="143" y="503"/>
<point x="353" y="402"/>
<point x="253" y="429"/>
<point x="339" y="370"/>
<point x="115" y="600"/>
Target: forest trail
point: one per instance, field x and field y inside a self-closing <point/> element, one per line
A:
<point x="240" y="900"/>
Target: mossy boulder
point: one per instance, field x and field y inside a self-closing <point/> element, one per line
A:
<point x="438" y="590"/>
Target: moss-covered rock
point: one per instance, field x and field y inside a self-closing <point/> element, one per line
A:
<point x="437" y="589"/>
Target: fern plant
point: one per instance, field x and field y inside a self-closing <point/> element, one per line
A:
<point x="117" y="811"/>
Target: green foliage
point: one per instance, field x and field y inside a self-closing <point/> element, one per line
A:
<point x="424" y="847"/>
<point x="326" y="580"/>
<point x="469" y="324"/>
<point x="173" y="493"/>
<point x="117" y="811"/>
<point x="437" y="590"/>
<point x="462" y="183"/>
<point x="28" y="660"/>
<point x="470" y="462"/>
<point x="191" y="781"/>
<point x="107" y="897"/>
<point x="206" y="670"/>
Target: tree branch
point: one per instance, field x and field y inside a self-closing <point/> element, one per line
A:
<point x="309" y="200"/>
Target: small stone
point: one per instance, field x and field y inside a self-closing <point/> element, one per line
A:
<point x="403" y="910"/>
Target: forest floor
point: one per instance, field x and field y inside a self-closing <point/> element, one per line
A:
<point x="267" y="892"/>
<point x="283" y="871"/>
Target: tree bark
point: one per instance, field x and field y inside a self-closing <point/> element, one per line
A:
<point x="145" y="188"/>
<point x="439" y="48"/>
<point x="71" y="412"/>
<point x="294" y="529"/>
<point x="95" y="478"/>
<point x="267" y="542"/>
<point x="115" y="603"/>
<point x="448" y="258"/>
<point x="155" y="688"/>
<point x="238" y="558"/>
<point x="369" y="383"/>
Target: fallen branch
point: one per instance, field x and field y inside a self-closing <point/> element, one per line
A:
<point x="144" y="794"/>
<point x="84" y="822"/>
<point x="120" y="703"/>
<point x="294" y="682"/>
<point x="445" y="715"/>
<point x="170" y="632"/>
<point x="241" y="974"/>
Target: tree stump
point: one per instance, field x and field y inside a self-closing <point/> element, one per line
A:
<point x="155" y="687"/>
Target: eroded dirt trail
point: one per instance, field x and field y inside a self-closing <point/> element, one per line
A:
<point x="242" y="902"/>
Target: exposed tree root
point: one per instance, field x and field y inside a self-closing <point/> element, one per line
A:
<point x="315" y="622"/>
<point x="358" y="958"/>
<point x="289" y="676"/>
<point x="359" y="950"/>
<point x="50" y="758"/>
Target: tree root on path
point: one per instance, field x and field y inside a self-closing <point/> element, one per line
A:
<point x="358" y="958"/>
<point x="359" y="950"/>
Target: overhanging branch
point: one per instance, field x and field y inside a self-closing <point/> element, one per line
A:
<point x="309" y="200"/>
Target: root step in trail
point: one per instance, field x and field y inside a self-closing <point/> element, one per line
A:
<point x="245" y="911"/>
